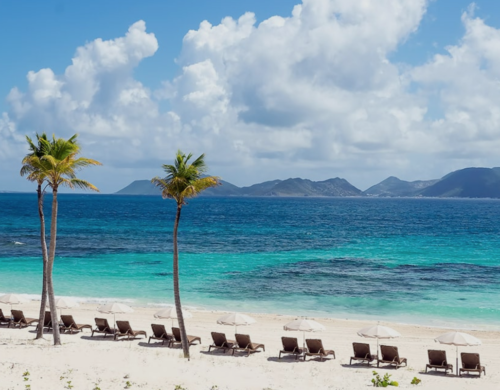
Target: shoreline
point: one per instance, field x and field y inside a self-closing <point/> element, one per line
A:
<point x="88" y="303"/>
<point x="84" y="360"/>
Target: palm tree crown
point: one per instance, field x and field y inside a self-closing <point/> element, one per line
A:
<point x="185" y="180"/>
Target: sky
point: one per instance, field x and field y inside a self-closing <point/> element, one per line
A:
<point x="266" y="89"/>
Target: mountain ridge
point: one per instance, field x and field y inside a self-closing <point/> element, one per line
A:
<point x="464" y="183"/>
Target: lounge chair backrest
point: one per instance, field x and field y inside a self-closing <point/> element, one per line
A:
<point x="361" y="350"/>
<point x="437" y="358"/>
<point x="2" y="315"/>
<point x="290" y="344"/>
<point x="315" y="345"/>
<point x="158" y="330"/>
<point x="18" y="315"/>
<point x="219" y="339"/>
<point x="389" y="352"/>
<point x="47" y="320"/>
<point x="67" y="320"/>
<point x="243" y="340"/>
<point x="123" y="326"/>
<point x="470" y="360"/>
<point x="177" y="334"/>
<point x="102" y="324"/>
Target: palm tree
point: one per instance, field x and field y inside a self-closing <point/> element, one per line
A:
<point x="183" y="181"/>
<point x="31" y="168"/>
<point x="58" y="167"/>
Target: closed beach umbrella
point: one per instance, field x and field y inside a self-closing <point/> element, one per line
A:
<point x="171" y="313"/>
<point x="12" y="299"/>
<point x="304" y="325"/>
<point x="114" y="308"/>
<point x="378" y="332"/>
<point x="458" y="339"/>
<point x="236" y="319"/>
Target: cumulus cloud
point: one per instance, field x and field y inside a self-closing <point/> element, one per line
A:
<point x="310" y="94"/>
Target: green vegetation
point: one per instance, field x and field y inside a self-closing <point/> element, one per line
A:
<point x="415" y="381"/>
<point x="383" y="382"/>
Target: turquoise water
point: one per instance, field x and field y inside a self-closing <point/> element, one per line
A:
<point x="425" y="261"/>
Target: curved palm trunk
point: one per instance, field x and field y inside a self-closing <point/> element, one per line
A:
<point x="177" y="296"/>
<point x="50" y="266"/>
<point x="43" y="300"/>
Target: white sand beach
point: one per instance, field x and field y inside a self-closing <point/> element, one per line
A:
<point x="95" y="363"/>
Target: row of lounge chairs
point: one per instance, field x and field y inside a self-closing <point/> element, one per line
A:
<point x="389" y="354"/>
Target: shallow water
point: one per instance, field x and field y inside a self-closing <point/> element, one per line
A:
<point x="429" y="261"/>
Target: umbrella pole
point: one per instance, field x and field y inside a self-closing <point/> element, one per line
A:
<point x="457" y="360"/>
<point x="304" y="340"/>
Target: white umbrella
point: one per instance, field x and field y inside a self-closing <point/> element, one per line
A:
<point x="115" y="308"/>
<point x="12" y="299"/>
<point x="458" y="339"/>
<point x="378" y="332"/>
<point x="236" y="319"/>
<point x="171" y="313"/>
<point x="64" y="303"/>
<point x="304" y="325"/>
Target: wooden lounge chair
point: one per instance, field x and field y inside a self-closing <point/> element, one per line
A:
<point x="315" y="348"/>
<point x="69" y="324"/>
<point x="160" y="333"/>
<point x="47" y="321"/>
<point x="102" y="326"/>
<point x="437" y="360"/>
<point x="20" y="320"/>
<point x="4" y="320"/>
<point x="220" y="342"/>
<point x="471" y="363"/>
<point x="390" y="355"/>
<point x="290" y="346"/>
<point x="124" y="329"/>
<point x="362" y="353"/>
<point x="245" y="344"/>
<point x="177" y="337"/>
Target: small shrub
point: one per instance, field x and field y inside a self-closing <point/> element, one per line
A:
<point x="415" y="381"/>
<point x="128" y="384"/>
<point x="383" y="382"/>
<point x="179" y="387"/>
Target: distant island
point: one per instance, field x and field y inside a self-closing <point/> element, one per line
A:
<point x="464" y="183"/>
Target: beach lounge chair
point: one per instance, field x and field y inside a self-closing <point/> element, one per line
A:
<point x="471" y="363"/>
<point x="390" y="355"/>
<point x="4" y="320"/>
<point x="220" y="342"/>
<point x="160" y="333"/>
<point x="47" y="321"/>
<point x="20" y="320"/>
<point x="124" y="329"/>
<point x="290" y="346"/>
<point x="362" y="353"/>
<point x="177" y="337"/>
<point x="437" y="360"/>
<point x="315" y="348"/>
<point x="102" y="326"/>
<point x="245" y="344"/>
<point x="69" y="324"/>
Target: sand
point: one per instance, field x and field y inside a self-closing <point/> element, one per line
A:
<point x="95" y="363"/>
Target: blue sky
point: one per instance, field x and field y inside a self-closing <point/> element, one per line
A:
<point x="238" y="105"/>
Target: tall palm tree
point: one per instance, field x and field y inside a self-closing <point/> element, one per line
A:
<point x="183" y="181"/>
<point x="31" y="169"/>
<point x="58" y="167"/>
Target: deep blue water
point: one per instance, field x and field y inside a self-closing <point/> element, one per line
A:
<point x="432" y="261"/>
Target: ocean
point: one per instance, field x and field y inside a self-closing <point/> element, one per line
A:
<point x="421" y="261"/>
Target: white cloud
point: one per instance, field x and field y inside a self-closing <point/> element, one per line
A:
<point x="313" y="94"/>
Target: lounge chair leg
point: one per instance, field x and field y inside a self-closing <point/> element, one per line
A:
<point x="279" y="357"/>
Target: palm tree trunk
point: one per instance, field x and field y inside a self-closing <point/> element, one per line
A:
<point x="177" y="296"/>
<point x="50" y="266"/>
<point x="43" y="300"/>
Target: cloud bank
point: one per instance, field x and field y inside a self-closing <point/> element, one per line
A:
<point x="313" y="94"/>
